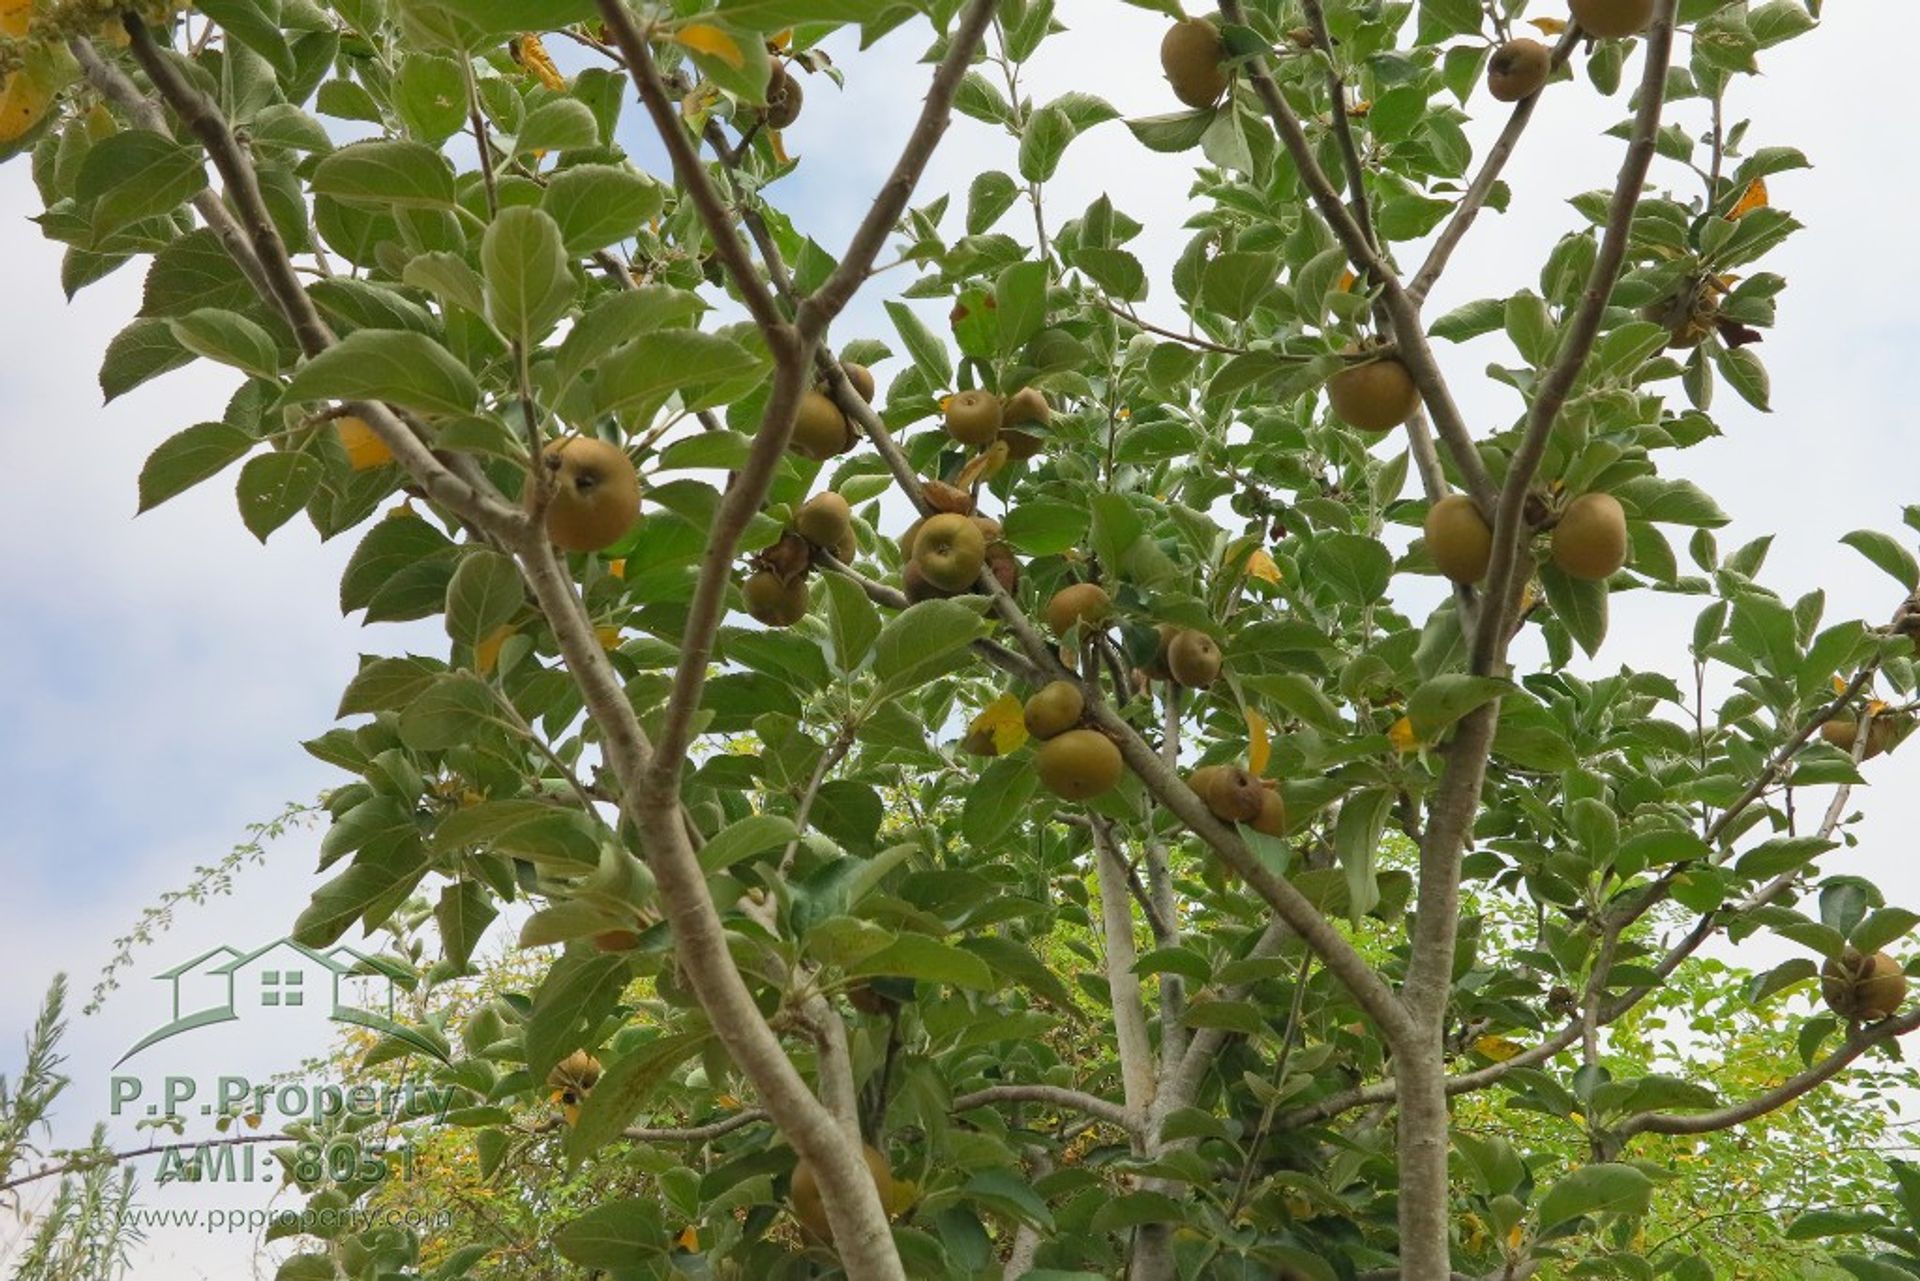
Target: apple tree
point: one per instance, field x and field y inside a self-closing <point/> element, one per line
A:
<point x="1096" y="804"/>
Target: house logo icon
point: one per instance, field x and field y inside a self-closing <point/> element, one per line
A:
<point x="226" y="985"/>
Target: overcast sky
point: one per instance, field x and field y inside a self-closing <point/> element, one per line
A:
<point x="159" y="673"/>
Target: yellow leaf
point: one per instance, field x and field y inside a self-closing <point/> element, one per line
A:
<point x="983" y="465"/>
<point x="532" y="54"/>
<point x="780" y="156"/>
<point x="608" y="636"/>
<point x="23" y="100"/>
<point x="704" y="37"/>
<point x="1754" y="197"/>
<point x="486" y="651"/>
<point x="781" y="39"/>
<point x="1515" y="1235"/>
<point x="1262" y="566"/>
<point x="1401" y="735"/>
<point x="689" y="1239"/>
<point x="617" y="567"/>
<point x="1005" y="720"/>
<point x="15" y="17"/>
<point x="1548" y="26"/>
<point x="1347" y="280"/>
<point x="1259" y="746"/>
<point x="365" y="448"/>
<point x="1839" y="686"/>
<point x="1497" y="1048"/>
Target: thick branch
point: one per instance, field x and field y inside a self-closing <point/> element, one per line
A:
<point x="1576" y="344"/>
<point x="1129" y="1006"/>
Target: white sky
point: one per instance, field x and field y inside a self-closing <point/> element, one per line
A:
<point x="160" y="674"/>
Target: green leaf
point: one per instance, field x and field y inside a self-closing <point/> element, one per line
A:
<point x="133" y="175"/>
<point x="1020" y="296"/>
<point x="1606" y="1188"/>
<point x="1885" y="926"/>
<point x="447" y="714"/>
<point x="485" y="593"/>
<point x="463" y="913"/>
<point x="1181" y="131"/>
<point x="1356" y="841"/>
<point x="620" y="318"/>
<point x="1444" y="699"/>
<point x="1580" y="606"/>
<point x="1043" y="142"/>
<point x="1046" y="526"/>
<point x="928" y="352"/>
<point x="755" y="834"/>
<point x="255" y="24"/>
<point x="1131" y="1209"/>
<point x="530" y="283"/>
<point x="430" y="93"/>
<point x="388" y="175"/>
<point x="139" y="353"/>
<point x="1021" y="964"/>
<point x="924" y="641"/>
<point x="189" y="457"/>
<point x="274" y="487"/>
<point x="915" y="956"/>
<point x="1234" y="283"/>
<point x="1742" y="369"/>
<point x="392" y="365"/>
<point x="991" y="194"/>
<point x="996" y="802"/>
<point x="306" y="1267"/>
<point x="625" y="1087"/>
<point x="615" y="1236"/>
<point x="560" y="124"/>
<point x="1470" y="320"/>
<point x="229" y="338"/>
<point x="599" y="205"/>
<point x="637" y="379"/>
<point x="1887" y="554"/>
<point x="1530" y="327"/>
<point x="1116" y="271"/>
<point x="774" y="15"/>
<point x="852" y="621"/>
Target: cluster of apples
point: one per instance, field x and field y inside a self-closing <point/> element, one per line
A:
<point x="1588" y="540"/>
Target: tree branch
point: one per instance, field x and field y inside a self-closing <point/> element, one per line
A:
<point x="1129" y="1006"/>
<point x="460" y="486"/>
<point x="1053" y="1096"/>
<point x="1858" y="1043"/>
<point x="1461" y="220"/>
<point x="1408" y="331"/>
<point x="122" y="92"/>
<point x="1346" y="964"/>
<point x="818" y="311"/>
<point x="1576" y="344"/>
<point x="663" y="108"/>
